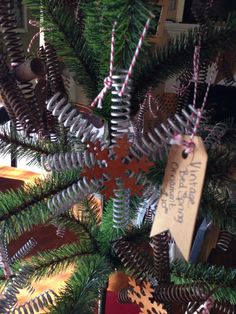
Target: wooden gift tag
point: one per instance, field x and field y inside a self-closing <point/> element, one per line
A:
<point x="181" y="193"/>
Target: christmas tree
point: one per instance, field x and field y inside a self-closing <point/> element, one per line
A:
<point x="106" y="148"/>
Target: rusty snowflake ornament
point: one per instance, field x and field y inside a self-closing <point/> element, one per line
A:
<point x="142" y="296"/>
<point x="117" y="164"/>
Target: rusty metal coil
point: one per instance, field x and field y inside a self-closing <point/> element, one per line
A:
<point x="35" y="305"/>
<point x="155" y="142"/>
<point x="139" y="264"/>
<point x="14" y="48"/>
<point x="160" y="244"/>
<point x="215" y="135"/>
<point x="123" y="296"/>
<point x="149" y="215"/>
<point x="8" y="24"/>
<point x="54" y="74"/>
<point x="224" y="240"/>
<point x="24" y="113"/>
<point x="42" y="54"/>
<point x="196" y="292"/>
<point x="225" y="307"/>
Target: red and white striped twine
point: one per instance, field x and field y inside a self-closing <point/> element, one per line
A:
<point x="196" y="64"/>
<point x="177" y="139"/>
<point x="207" y="306"/>
<point x="108" y="79"/>
<point x="190" y="145"/>
<point x="133" y="62"/>
<point x="35" y="24"/>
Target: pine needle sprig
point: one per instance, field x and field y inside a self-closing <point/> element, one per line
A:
<point x="25" y="147"/>
<point x="52" y="262"/>
<point x="167" y="62"/>
<point x="215" y="277"/>
<point x="27" y="206"/>
<point x="65" y="35"/>
<point x="82" y="289"/>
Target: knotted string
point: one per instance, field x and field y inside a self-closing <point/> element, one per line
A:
<point x="108" y="79"/>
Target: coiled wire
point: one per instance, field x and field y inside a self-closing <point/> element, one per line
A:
<point x="76" y="192"/>
<point x="225" y="307"/>
<point x="215" y="135"/>
<point x="123" y="296"/>
<point x="121" y="205"/>
<point x="14" y="48"/>
<point x="182" y="293"/>
<point x="14" y="286"/>
<point x="70" y="118"/>
<point x="51" y="123"/>
<point x="54" y="74"/>
<point x="160" y="138"/>
<point x="224" y="240"/>
<point x="60" y="230"/>
<point x="160" y="245"/>
<point x="120" y="106"/>
<point x="24" y="250"/>
<point x="139" y="264"/>
<point x="36" y="304"/>
<point x="69" y="160"/>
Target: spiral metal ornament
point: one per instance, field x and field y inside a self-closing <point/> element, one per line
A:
<point x="157" y="141"/>
<point x="60" y="230"/>
<point x="11" y="39"/>
<point x="70" y="118"/>
<point x="69" y="160"/>
<point x="42" y="54"/>
<point x="121" y="205"/>
<point x="24" y="250"/>
<point x="123" y="296"/>
<point x="150" y="197"/>
<point x="8" y="107"/>
<point x="192" y="308"/>
<point x="224" y="308"/>
<point x="215" y="135"/>
<point x="160" y="244"/>
<point x="140" y="264"/>
<point x="76" y="192"/>
<point x="54" y="74"/>
<point x="148" y="218"/>
<point x="23" y="112"/>
<point x="182" y="293"/>
<point x="224" y="240"/>
<point x="120" y="106"/>
<point x="36" y="304"/>
<point x="13" y="288"/>
<point x="14" y="48"/>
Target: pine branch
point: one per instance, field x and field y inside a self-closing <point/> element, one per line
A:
<point x="25" y="207"/>
<point x="64" y="34"/>
<point x="215" y="277"/>
<point x="107" y="233"/>
<point x="81" y="292"/>
<point x="217" y="205"/>
<point x="52" y="262"/>
<point x="25" y="147"/>
<point x="168" y="61"/>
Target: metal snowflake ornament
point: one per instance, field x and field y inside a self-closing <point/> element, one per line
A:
<point x="117" y="164"/>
